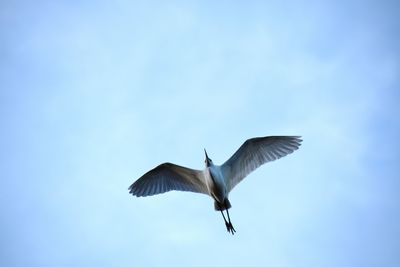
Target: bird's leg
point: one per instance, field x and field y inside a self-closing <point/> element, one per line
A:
<point x="226" y="222"/>
<point x="230" y="223"/>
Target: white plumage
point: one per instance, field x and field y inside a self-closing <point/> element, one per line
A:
<point x="216" y="181"/>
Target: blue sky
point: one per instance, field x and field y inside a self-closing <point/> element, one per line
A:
<point x="95" y="93"/>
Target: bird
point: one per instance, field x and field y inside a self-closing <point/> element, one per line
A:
<point x="216" y="181"/>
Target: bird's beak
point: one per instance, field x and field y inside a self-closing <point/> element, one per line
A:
<point x="206" y="154"/>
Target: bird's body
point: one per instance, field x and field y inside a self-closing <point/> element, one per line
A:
<point x="216" y="186"/>
<point x="216" y="180"/>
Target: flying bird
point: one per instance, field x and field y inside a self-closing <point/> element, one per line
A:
<point x="216" y="180"/>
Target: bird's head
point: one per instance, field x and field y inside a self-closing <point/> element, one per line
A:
<point x="207" y="161"/>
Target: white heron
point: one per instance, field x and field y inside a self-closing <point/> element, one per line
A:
<point x="216" y="180"/>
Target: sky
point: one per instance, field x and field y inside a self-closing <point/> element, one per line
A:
<point x="93" y="94"/>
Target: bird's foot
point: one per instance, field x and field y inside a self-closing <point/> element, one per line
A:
<point x="230" y="228"/>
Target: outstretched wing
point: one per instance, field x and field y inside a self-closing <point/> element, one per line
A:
<point x="167" y="177"/>
<point x="255" y="152"/>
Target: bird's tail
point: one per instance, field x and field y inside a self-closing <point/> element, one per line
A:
<point x="222" y="206"/>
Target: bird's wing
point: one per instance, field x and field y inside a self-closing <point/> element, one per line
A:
<point x="255" y="152"/>
<point x="167" y="177"/>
